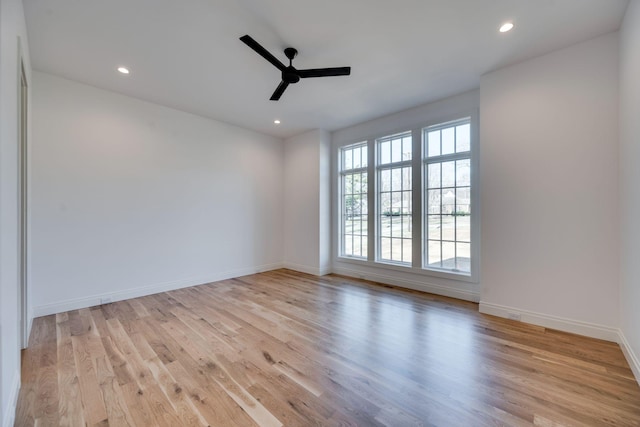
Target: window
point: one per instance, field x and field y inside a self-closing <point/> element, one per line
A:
<point x="447" y="173"/>
<point x="354" y="206"/>
<point x="417" y="212"/>
<point x="394" y="198"/>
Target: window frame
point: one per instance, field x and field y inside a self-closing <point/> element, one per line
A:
<point x="379" y="167"/>
<point x="342" y="173"/>
<point x="418" y="187"/>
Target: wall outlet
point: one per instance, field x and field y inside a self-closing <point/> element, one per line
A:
<point x="514" y="316"/>
<point x="105" y="300"/>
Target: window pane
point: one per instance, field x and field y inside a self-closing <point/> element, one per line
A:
<point x="448" y="201"/>
<point x="385" y="248"/>
<point x="406" y="202"/>
<point x="434" y="143"/>
<point x="348" y="244"/>
<point x="448" y="227"/>
<point x="365" y="158"/>
<point x="406" y="178"/>
<point x="463" y="172"/>
<point x="463" y="200"/>
<point x="407" y="149"/>
<point x="406" y="250"/>
<point x="463" y="228"/>
<point x="363" y="183"/>
<point x="433" y="201"/>
<point x="352" y="206"/>
<point x="448" y="255"/>
<point x="396" y="249"/>
<point x="385" y="204"/>
<point x="348" y="159"/>
<point x="433" y="175"/>
<point x="356" y="158"/>
<point x="448" y="141"/>
<point x="463" y="138"/>
<point x="348" y="184"/>
<point x="385" y="180"/>
<point x="385" y="225"/>
<point x="434" y="257"/>
<point x="433" y="227"/>
<point x="448" y="174"/>
<point x="396" y="203"/>
<point x="396" y="179"/>
<point x="463" y="259"/>
<point x="385" y="152"/>
<point x="356" y="246"/>
<point x="406" y="226"/>
<point x="396" y="150"/>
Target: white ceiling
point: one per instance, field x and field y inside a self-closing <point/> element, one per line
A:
<point x="186" y="54"/>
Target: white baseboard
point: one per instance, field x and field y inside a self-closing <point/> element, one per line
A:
<point x="78" y="303"/>
<point x="306" y="269"/>
<point x="553" y="322"/>
<point x="629" y="354"/>
<point x="431" y="288"/>
<point x="9" y="417"/>
<point x="29" y="324"/>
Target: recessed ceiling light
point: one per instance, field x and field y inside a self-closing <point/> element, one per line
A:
<point x="507" y="26"/>
<point x="123" y="70"/>
<point x="277" y="122"/>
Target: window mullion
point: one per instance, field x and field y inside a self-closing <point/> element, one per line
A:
<point x="417" y="188"/>
<point x="372" y="179"/>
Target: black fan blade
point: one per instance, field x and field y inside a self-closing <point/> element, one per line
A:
<point x="325" y="72"/>
<point x="279" y="91"/>
<point x="262" y="52"/>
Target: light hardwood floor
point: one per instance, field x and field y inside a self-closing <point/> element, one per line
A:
<point x="285" y="348"/>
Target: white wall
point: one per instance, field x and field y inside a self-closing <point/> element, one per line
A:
<point x="131" y="198"/>
<point x="549" y="189"/>
<point x="455" y="107"/>
<point x="306" y="213"/>
<point x="12" y="27"/>
<point x="630" y="184"/>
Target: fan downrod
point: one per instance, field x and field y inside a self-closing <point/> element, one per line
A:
<point x="290" y="74"/>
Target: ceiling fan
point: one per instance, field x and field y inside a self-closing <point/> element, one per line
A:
<point x="290" y="74"/>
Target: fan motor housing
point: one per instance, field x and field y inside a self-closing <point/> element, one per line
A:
<point x="290" y="75"/>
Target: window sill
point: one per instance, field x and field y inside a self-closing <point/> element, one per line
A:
<point x="443" y="274"/>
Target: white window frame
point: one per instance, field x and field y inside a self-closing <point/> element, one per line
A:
<point x="418" y="188"/>
<point x="378" y="169"/>
<point x="439" y="159"/>
<point x="341" y="178"/>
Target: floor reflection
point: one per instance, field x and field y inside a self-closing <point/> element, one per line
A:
<point x="413" y="340"/>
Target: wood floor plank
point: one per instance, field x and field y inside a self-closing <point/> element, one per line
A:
<point x="283" y="348"/>
<point x="216" y="406"/>
<point x="94" y="410"/>
<point x="69" y="401"/>
<point x="115" y="403"/>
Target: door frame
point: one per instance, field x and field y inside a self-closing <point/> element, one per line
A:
<point x="23" y="200"/>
